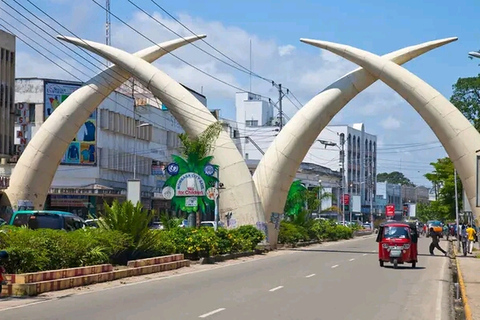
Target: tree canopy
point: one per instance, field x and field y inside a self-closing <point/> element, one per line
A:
<point x="395" y="177"/>
<point x="466" y="97"/>
<point x="443" y="182"/>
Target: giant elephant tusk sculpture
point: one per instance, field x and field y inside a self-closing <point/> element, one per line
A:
<point x="279" y="165"/>
<point x="34" y="171"/>
<point x="240" y="195"/>
<point x="457" y="135"/>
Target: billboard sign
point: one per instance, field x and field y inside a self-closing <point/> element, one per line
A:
<point x="83" y="149"/>
<point x="390" y="210"/>
<point x="190" y="184"/>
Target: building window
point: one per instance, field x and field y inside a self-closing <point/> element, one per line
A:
<point x="31" y="112"/>
<point x="251" y="123"/>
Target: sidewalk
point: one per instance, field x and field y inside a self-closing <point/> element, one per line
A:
<point x="470" y="269"/>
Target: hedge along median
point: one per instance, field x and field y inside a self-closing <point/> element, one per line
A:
<point x="45" y="249"/>
<point x="292" y="233"/>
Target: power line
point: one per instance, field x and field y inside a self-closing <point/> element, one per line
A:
<point x="184" y="61"/>
<point x="74" y="76"/>
<point x="240" y="68"/>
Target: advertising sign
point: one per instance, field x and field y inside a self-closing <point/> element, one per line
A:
<point x="83" y="149"/>
<point x="390" y="210"/>
<point x="190" y="185"/>
<point x="22" y="127"/>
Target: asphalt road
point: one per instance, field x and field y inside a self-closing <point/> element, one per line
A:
<point x="337" y="281"/>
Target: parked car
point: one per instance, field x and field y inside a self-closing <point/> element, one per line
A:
<point x="58" y="220"/>
<point x="157" y="225"/>
<point x="367" y="225"/>
<point x="211" y="224"/>
<point x="92" y="223"/>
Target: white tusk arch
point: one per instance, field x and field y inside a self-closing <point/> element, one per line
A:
<point x="37" y="165"/>
<point x="240" y="195"/>
<point x="278" y="167"/>
<point x="457" y="135"/>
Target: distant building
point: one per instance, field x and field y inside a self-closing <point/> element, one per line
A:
<point x="313" y="175"/>
<point x="412" y="194"/>
<point x="7" y="95"/>
<point x="388" y="194"/>
<point x="258" y="127"/>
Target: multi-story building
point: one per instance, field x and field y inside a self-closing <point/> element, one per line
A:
<point x="388" y="194"/>
<point x="7" y="95"/>
<point x="101" y="158"/>
<point x="337" y="147"/>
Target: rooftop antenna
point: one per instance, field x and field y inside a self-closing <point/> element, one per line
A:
<point x="108" y="25"/>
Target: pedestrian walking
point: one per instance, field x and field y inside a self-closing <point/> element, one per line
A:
<point x="470" y="238"/>
<point x="435" y="242"/>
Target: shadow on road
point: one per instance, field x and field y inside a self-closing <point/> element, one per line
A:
<point x="404" y="267"/>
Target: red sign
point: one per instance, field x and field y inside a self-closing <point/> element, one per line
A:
<point x="390" y="210"/>
<point x="346" y="199"/>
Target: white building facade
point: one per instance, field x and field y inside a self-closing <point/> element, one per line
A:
<point x="101" y="158"/>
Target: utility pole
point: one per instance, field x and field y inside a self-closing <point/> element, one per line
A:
<point x="281" y="94"/>
<point x="371" y="190"/>
<point x="108" y="25"/>
<point x="342" y="170"/>
<point x="456" y="208"/>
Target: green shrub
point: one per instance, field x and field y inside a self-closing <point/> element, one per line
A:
<point x="165" y="244"/>
<point x="251" y="234"/>
<point x="133" y="221"/>
<point x="201" y="242"/>
<point x="46" y="249"/>
<point x="291" y="233"/>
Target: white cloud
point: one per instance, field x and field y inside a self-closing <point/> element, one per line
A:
<point x="390" y="123"/>
<point x="286" y="50"/>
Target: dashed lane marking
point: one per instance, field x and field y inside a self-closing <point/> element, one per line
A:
<point x="211" y="313"/>
<point x="310" y="275"/>
<point x="333" y="267"/>
<point x="276" y="288"/>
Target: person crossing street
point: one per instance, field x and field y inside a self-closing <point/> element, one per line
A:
<point x="435" y="242"/>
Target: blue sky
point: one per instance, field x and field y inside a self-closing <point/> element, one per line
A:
<point x="275" y="28"/>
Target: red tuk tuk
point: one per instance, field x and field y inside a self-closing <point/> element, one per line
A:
<point x="397" y="243"/>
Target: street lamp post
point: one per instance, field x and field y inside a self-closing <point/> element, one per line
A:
<point x="135" y="149"/>
<point x="319" y="197"/>
<point x="456" y="208"/>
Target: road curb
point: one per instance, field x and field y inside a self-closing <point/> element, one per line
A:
<point x="463" y="290"/>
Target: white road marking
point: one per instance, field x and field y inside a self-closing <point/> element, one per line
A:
<point x="351" y="259"/>
<point x="310" y="275"/>
<point x="374" y="251"/>
<point x="333" y="267"/>
<point x="210" y="313"/>
<point x="364" y="254"/>
<point x="438" y="309"/>
<point x="276" y="288"/>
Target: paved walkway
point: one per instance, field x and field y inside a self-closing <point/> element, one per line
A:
<point x="470" y="269"/>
